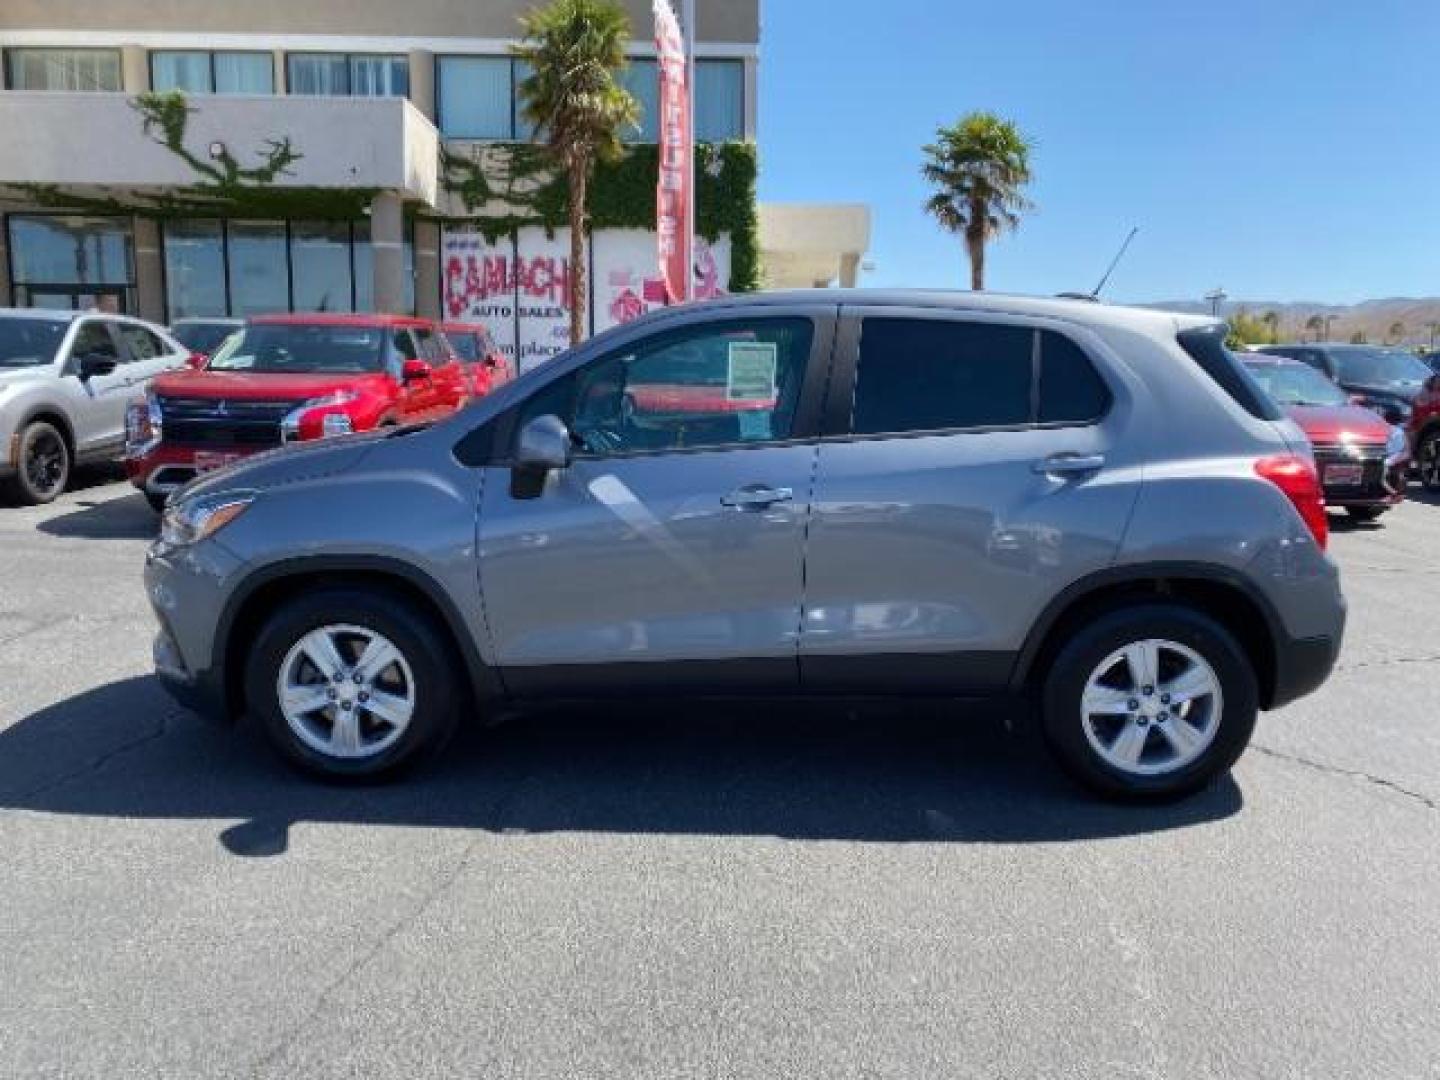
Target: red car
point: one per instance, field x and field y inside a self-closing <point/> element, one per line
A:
<point x="1424" y="430"/>
<point x="1361" y="458"/>
<point x="288" y="378"/>
<point x="486" y="365"/>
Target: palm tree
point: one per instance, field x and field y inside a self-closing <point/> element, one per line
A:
<point x="978" y="167"/>
<point x="1396" y="334"/>
<point x="1315" y="323"/>
<point x="575" y="49"/>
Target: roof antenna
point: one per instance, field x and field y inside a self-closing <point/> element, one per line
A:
<point x="1115" y="262"/>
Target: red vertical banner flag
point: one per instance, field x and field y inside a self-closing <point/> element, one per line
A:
<point x="677" y="150"/>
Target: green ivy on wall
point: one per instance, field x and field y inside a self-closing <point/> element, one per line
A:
<point x="513" y="186"/>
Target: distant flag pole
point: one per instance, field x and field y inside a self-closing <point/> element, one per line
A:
<point x="689" y="27"/>
<point x="675" y="185"/>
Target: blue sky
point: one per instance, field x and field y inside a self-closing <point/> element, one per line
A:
<point x="1284" y="150"/>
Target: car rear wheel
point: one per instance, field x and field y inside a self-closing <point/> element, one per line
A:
<point x="1365" y="513"/>
<point x="1149" y="702"/>
<point x="352" y="683"/>
<point x="1427" y="460"/>
<point x="43" y="465"/>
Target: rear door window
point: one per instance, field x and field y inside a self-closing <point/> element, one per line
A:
<point x="951" y="374"/>
<point x="941" y="374"/>
<point x="142" y="344"/>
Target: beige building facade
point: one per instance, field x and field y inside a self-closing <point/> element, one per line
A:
<point x="306" y="169"/>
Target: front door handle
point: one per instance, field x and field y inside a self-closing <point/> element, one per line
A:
<point x="1070" y="464"/>
<point x="756" y="497"/>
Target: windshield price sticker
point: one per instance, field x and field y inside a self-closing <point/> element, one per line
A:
<point x="751" y="373"/>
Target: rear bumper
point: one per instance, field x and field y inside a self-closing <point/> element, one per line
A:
<point x="1301" y="667"/>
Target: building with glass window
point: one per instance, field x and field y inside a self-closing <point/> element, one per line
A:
<point x="333" y="156"/>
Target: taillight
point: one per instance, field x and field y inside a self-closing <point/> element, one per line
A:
<point x="1297" y="478"/>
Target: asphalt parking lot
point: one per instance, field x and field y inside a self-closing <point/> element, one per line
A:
<point x="899" y="893"/>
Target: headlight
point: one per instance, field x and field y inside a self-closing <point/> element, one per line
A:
<point x="192" y="520"/>
<point x="1397" y="444"/>
<point x="144" y="425"/>
<point x="290" y="426"/>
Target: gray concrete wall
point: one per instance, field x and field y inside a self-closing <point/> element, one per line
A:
<point x="344" y="142"/>
<point x="719" y="20"/>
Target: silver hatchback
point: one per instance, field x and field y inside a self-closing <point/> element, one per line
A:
<point x="817" y="494"/>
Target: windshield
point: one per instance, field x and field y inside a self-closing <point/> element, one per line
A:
<point x="1379" y="367"/>
<point x="28" y="342"/>
<point x="284" y="349"/>
<point x="1297" y="384"/>
<point x="202" y="337"/>
<point x="467" y="346"/>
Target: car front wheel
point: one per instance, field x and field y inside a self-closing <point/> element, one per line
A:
<point x="352" y="683"/>
<point x="1150" y="701"/>
<point x="1427" y="461"/>
<point x="42" y="465"/>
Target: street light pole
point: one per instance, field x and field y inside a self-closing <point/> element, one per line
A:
<point x="1216" y="297"/>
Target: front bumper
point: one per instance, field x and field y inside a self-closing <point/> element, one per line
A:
<point x="1382" y="479"/>
<point x="186" y="590"/>
<point x="167" y="468"/>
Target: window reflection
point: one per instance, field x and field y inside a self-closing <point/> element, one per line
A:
<point x="258" y="272"/>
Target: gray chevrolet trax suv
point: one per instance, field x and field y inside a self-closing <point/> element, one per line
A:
<point x="1091" y="508"/>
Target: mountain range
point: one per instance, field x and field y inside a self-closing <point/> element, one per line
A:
<point x="1419" y="317"/>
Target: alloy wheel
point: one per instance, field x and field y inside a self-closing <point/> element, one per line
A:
<point x="1152" y="707"/>
<point x="45" y="463"/>
<point x="1430" y="462"/>
<point x="346" y="691"/>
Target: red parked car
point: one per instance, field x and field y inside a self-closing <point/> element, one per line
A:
<point x="1361" y="458"/>
<point x="485" y="364"/>
<point x="289" y="378"/>
<point x="1424" y="430"/>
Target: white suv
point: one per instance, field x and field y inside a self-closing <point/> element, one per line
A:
<point x="65" y="380"/>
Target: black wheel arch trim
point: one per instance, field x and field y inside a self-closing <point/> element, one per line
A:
<point x="484" y="682"/>
<point x="51" y="415"/>
<point x="1136" y="574"/>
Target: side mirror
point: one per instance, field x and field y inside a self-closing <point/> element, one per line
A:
<point x="414" y="371"/>
<point x="543" y="444"/>
<point x="92" y="364"/>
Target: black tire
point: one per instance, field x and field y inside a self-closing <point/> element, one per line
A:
<point x="425" y="647"/>
<point x="156" y="499"/>
<point x="1365" y="513"/>
<point x="1427" y="460"/>
<point x="44" y="465"/>
<point x="1071" y="669"/>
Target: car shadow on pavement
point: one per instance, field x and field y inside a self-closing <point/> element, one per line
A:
<point x="126" y="518"/>
<point x="891" y="773"/>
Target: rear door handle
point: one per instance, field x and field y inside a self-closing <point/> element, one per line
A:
<point x="1070" y="464"/>
<point x="756" y="497"/>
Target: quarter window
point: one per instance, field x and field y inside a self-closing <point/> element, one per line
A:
<point x="726" y="384"/>
<point x="1071" y="391"/>
<point x="937" y="374"/>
